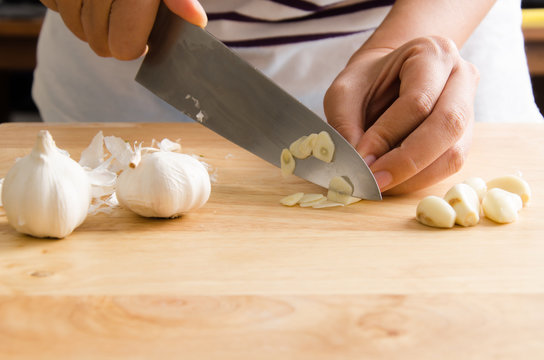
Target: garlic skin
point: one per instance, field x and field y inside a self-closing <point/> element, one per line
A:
<point x="164" y="184"/>
<point x="46" y="193"/>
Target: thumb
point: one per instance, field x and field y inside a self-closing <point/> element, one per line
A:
<point x="190" y="10"/>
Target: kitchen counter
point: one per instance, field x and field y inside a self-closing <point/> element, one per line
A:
<point x="246" y="278"/>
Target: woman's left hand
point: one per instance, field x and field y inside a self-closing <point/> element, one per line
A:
<point x="408" y="112"/>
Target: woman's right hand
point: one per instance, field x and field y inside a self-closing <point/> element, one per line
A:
<point x="120" y="28"/>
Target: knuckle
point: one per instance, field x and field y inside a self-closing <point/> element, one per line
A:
<point x="380" y="138"/>
<point x="473" y="71"/>
<point x="420" y="103"/>
<point x="454" y="122"/>
<point x="455" y="158"/>
<point x="439" y="46"/>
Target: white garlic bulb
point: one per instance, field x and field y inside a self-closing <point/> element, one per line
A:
<point x="164" y="184"/>
<point x="46" y="193"/>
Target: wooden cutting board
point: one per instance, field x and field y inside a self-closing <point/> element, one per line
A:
<point x="246" y="278"/>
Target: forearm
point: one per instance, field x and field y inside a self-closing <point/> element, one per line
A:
<point x="410" y="19"/>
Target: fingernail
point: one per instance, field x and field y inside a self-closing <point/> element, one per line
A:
<point x="369" y="159"/>
<point x="383" y="178"/>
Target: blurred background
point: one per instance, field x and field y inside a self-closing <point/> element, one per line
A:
<point x="20" y="22"/>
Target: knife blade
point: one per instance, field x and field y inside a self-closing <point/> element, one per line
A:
<point x="198" y="75"/>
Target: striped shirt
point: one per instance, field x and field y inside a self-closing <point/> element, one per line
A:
<point x="300" y="44"/>
<point x="279" y="22"/>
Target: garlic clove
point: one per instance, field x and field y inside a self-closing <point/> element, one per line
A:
<point x="466" y="204"/>
<point x="164" y="184"/>
<point x="501" y="206"/>
<point x="513" y="184"/>
<point x="436" y="212"/>
<point x="46" y="193"/>
<point x="479" y="185"/>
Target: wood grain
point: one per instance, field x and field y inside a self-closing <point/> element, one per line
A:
<point x="244" y="277"/>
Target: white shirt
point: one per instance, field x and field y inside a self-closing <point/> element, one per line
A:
<point x="301" y="45"/>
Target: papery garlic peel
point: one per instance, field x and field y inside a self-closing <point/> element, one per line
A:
<point x="164" y="184"/>
<point x="46" y="193"/>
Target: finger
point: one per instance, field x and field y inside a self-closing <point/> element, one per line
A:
<point x="190" y="10"/>
<point x="425" y="66"/>
<point x="343" y="108"/>
<point x="95" y="20"/>
<point x="446" y="165"/>
<point x="130" y="24"/>
<point x="70" y="11"/>
<point x="50" y="4"/>
<point x="439" y="132"/>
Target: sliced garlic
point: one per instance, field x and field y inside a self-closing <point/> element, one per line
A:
<point x="478" y="184"/>
<point x="501" y="206"/>
<point x="327" y="204"/>
<point x="312" y="203"/>
<point x="436" y="212"/>
<point x="466" y="204"/>
<point x="340" y="190"/>
<point x="324" y="147"/>
<point x="292" y="200"/>
<point x="287" y="163"/>
<point x="303" y="146"/>
<point x="311" y="199"/>
<point x="513" y="184"/>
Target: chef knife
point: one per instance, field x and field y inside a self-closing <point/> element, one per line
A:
<point x="198" y="75"/>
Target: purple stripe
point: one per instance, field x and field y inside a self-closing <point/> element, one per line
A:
<point x="233" y="16"/>
<point x="299" y="4"/>
<point x="291" y="39"/>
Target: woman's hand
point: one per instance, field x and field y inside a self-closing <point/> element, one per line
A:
<point x="408" y="112"/>
<point x="120" y="28"/>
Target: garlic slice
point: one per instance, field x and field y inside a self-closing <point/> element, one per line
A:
<point x="292" y="200"/>
<point x="323" y="147"/>
<point x="303" y="146"/>
<point x="287" y="163"/>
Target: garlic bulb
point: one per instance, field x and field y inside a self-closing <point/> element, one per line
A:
<point x="164" y="184"/>
<point x="46" y="193"/>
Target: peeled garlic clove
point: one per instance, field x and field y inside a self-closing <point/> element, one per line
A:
<point x="478" y="184"/>
<point x="513" y="184"/>
<point x="323" y="147"/>
<point x="287" y="163"/>
<point x="292" y="200"/>
<point x="46" y="193"/>
<point x="436" y="212"/>
<point x="501" y="206"/>
<point x="164" y="184"/>
<point x="466" y="204"/>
